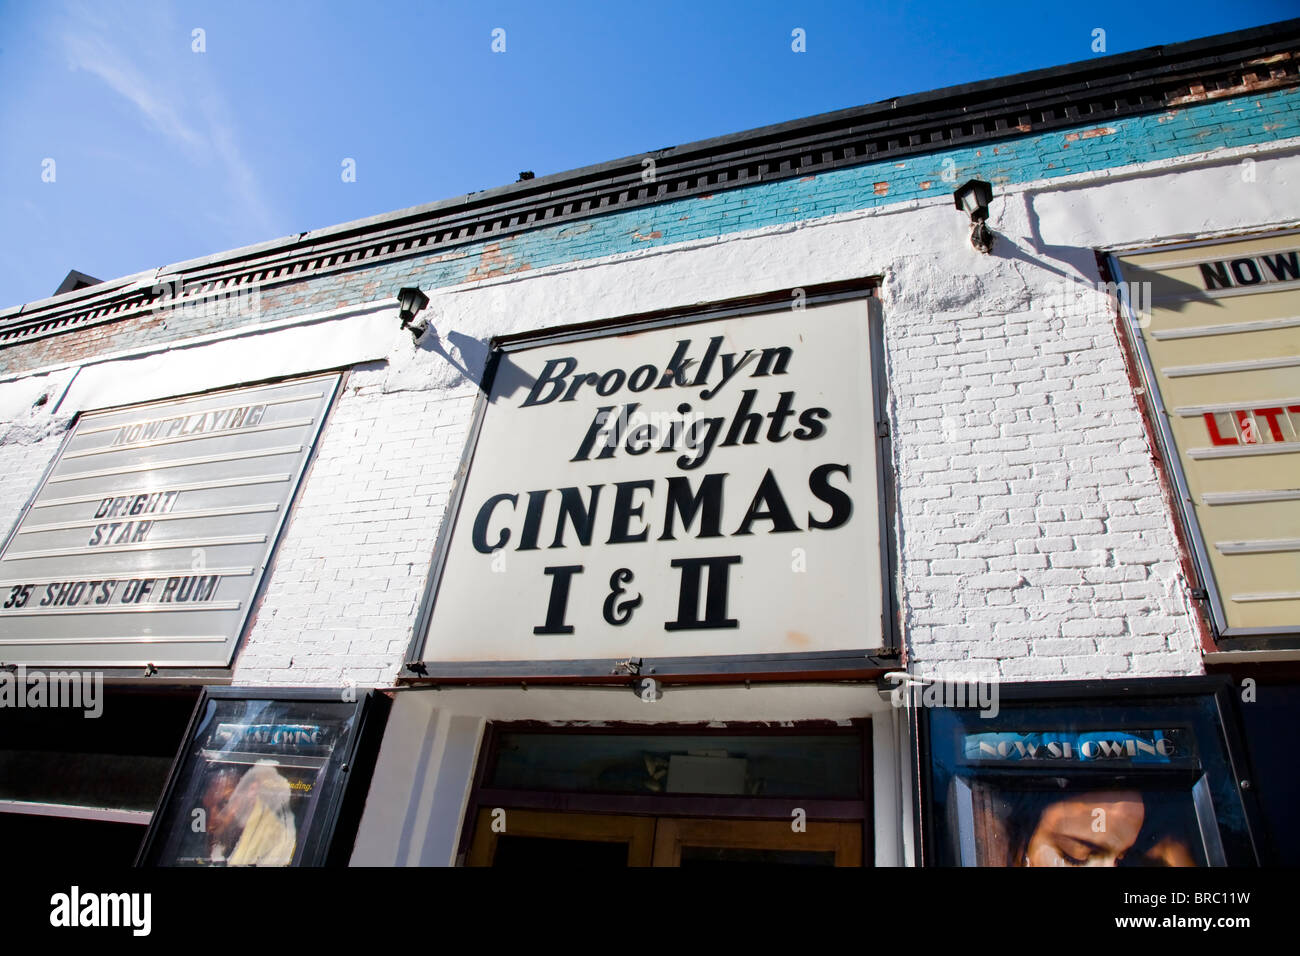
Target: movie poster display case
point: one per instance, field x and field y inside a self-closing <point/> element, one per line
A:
<point x="1142" y="773"/>
<point x="269" y="777"/>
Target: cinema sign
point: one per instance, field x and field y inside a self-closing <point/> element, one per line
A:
<point x="1220" y="353"/>
<point x="149" y="536"/>
<point x="697" y="488"/>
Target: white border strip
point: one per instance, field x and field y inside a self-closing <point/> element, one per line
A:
<point x="181" y="463"/>
<point x="189" y="486"/>
<point x="1243" y="451"/>
<point x="117" y="576"/>
<point x="1196" y="331"/>
<point x="1268" y="596"/>
<point x="260" y="508"/>
<point x="1195" y="411"/>
<point x="196" y="436"/>
<point x="1258" y="546"/>
<point x="1214" y="498"/>
<point x="146" y="546"/>
<point x="1218" y="368"/>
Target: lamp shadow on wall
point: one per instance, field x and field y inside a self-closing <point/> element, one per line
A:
<point x="1060" y="259"/>
<point x="472" y="353"/>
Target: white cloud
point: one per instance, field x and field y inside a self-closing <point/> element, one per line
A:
<point x="185" y="106"/>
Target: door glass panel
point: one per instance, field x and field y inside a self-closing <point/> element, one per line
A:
<point x="825" y="766"/>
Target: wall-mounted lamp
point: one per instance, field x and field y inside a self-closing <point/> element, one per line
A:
<point x="412" y="300"/>
<point x="973" y="198"/>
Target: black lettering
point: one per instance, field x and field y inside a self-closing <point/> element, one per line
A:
<point x="730" y="366"/>
<point x="481" y="524"/>
<point x="1246" y="272"/>
<point x="644" y="381"/>
<point x="777" y="512"/>
<point x="578" y="381"/>
<point x="812" y="427"/>
<point x="610" y="382"/>
<point x="551" y="380"/>
<point x="706" y="363"/>
<point x="555" y="608"/>
<point x="711" y="428"/>
<point x="715" y="600"/>
<point x="581" y="515"/>
<point x="1284" y="265"/>
<point x="532" y="520"/>
<point x="624" y="512"/>
<point x="773" y="361"/>
<point x="784" y="409"/>
<point x="841" y="504"/>
<point x="675" y="370"/>
<point x="618" y="612"/>
<point x="687" y="504"/>
<point x="640" y="439"/>
<point x="1215" y="275"/>
<point x="609" y="425"/>
<point x="751" y="422"/>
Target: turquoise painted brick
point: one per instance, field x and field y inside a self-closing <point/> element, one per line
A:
<point x="1235" y="122"/>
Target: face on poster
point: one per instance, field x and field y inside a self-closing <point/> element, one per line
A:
<point x="253" y="814"/>
<point x="1055" y="798"/>
<point x="1085" y="824"/>
<point x="698" y="489"/>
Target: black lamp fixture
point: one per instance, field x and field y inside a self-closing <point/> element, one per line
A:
<point x="973" y="198"/>
<point x="412" y="300"/>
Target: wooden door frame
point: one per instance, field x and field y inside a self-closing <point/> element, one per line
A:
<point x="637" y="832"/>
<point x="842" y="839"/>
<point x="855" y="811"/>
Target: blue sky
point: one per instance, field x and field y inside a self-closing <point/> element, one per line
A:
<point x="161" y="153"/>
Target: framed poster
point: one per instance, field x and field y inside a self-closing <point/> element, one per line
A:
<point x="1083" y="778"/>
<point x="268" y="778"/>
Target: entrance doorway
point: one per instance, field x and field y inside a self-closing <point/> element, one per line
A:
<point x="665" y="795"/>
<point x="525" y="838"/>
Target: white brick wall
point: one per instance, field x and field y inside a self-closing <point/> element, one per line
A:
<point x="1034" y="540"/>
<point x="25" y="458"/>
<point x="352" y="563"/>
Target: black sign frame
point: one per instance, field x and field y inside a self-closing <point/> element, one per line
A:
<point x="866" y="662"/>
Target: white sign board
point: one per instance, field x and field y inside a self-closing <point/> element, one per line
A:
<point x="149" y="536"/>
<point x="687" y="490"/>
